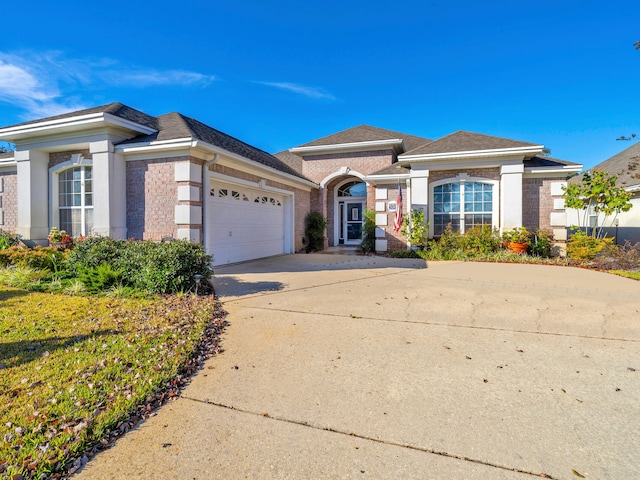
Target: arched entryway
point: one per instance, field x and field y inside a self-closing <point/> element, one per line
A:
<point x="350" y="203"/>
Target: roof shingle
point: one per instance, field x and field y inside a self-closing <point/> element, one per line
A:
<point x="463" y="141"/>
<point x="367" y="133"/>
<point x="626" y="165"/>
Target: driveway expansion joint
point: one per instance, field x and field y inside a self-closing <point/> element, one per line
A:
<point x="371" y="439"/>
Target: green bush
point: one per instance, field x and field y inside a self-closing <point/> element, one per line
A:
<point x="314" y="226"/>
<point x="404" y="254"/>
<point x="147" y="266"/>
<point x="368" y="244"/>
<point x="585" y="247"/>
<point x="480" y="239"/>
<point x="38" y="258"/>
<point x="540" y="245"/>
<point x="100" y="278"/>
<point x="8" y="239"/>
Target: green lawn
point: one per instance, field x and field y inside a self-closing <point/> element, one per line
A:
<point x="72" y="369"/>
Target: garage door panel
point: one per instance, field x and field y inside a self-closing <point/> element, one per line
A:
<point x="239" y="228"/>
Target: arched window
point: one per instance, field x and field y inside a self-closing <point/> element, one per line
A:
<point x="463" y="205"/>
<point x="75" y="200"/>
<point x="353" y="189"/>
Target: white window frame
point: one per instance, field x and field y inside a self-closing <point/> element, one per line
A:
<point x="54" y="188"/>
<point x="462" y="179"/>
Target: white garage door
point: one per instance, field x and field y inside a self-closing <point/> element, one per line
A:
<point x="244" y="223"/>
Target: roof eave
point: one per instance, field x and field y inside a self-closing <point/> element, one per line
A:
<point x="396" y="144"/>
<point x="495" y="152"/>
<point x="386" y="178"/>
<point x="78" y="123"/>
<point x="192" y="143"/>
<point x="565" y="169"/>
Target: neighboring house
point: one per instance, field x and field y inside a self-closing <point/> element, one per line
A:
<point x="116" y="171"/>
<point x="463" y="179"/>
<point x="626" y="166"/>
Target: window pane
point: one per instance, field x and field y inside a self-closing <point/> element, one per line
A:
<point x="88" y="221"/>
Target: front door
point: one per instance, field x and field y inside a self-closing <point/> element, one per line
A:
<point x="351" y="222"/>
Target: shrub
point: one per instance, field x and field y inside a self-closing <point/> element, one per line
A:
<point x="404" y="254"/>
<point x="540" y="246"/>
<point x="147" y="266"/>
<point x="100" y="278"/>
<point x="585" y="247"/>
<point x="314" y="226"/>
<point x="415" y="228"/>
<point x="368" y="244"/>
<point x="38" y="258"/>
<point x="615" y="257"/>
<point x="8" y="239"/>
<point x="480" y="239"/>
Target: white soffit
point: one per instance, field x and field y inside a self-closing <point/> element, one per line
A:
<point x="496" y="152"/>
<point x="354" y="146"/>
<point x="71" y="124"/>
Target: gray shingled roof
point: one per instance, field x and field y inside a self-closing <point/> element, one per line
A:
<point x="367" y="133"/>
<point x="626" y="165"/>
<point x="175" y="125"/>
<point x="291" y="159"/>
<point x="395" y="169"/>
<point x="463" y="141"/>
<point x="542" y="161"/>
<point x="115" y="108"/>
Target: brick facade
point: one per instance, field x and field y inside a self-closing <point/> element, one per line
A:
<point x="9" y="201"/>
<point x="152" y="194"/>
<point x="537" y="203"/>
<point x="318" y="167"/>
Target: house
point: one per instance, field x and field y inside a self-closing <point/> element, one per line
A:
<point x="463" y="179"/>
<point x="626" y="226"/>
<point x="113" y="170"/>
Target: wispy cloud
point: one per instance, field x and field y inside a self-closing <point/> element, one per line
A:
<point x="48" y="83"/>
<point x="311" y="92"/>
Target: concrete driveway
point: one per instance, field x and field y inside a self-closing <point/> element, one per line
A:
<point x="367" y="367"/>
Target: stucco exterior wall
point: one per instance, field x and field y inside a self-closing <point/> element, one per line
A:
<point x="9" y="200"/>
<point x="151" y="198"/>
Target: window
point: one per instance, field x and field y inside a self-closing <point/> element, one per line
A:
<point x="75" y="201"/>
<point x="463" y="205"/>
<point x="353" y="189"/>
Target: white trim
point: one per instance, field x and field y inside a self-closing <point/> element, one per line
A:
<point x="633" y="188"/>
<point x="337" y="226"/>
<point x="375" y="179"/>
<point x="463" y="177"/>
<point x="77" y="160"/>
<point x="288" y="207"/>
<point x="471" y="154"/>
<point x="343" y="171"/>
<point x="352" y="146"/>
<point x="545" y="170"/>
<point x="228" y="158"/>
<point x="79" y="122"/>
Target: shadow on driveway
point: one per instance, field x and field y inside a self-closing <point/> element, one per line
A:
<point x="314" y="262"/>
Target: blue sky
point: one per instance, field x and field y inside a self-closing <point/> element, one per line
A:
<point x="563" y="73"/>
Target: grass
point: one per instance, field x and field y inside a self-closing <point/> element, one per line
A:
<point x="634" y="274"/>
<point x="75" y="369"/>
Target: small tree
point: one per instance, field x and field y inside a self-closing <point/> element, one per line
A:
<point x="414" y="228"/>
<point x="368" y="244"/>
<point x="314" y="226"/>
<point x="597" y="193"/>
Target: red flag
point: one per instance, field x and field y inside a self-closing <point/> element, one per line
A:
<point x="397" y="221"/>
